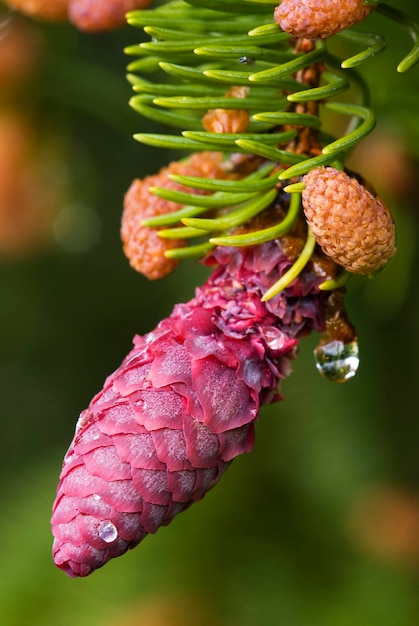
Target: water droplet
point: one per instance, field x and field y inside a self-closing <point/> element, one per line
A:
<point x="246" y="60"/>
<point x="274" y="338"/>
<point x="337" y="361"/>
<point x="107" y="531"/>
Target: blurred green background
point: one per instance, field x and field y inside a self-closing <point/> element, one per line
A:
<point x="319" y="526"/>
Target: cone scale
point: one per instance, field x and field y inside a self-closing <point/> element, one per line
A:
<point x="181" y="406"/>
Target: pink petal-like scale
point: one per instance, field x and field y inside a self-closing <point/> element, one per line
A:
<point x="181" y="407"/>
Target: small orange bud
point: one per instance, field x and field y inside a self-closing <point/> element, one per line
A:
<point x="351" y="225"/>
<point x="318" y="19"/>
<point x="228" y="120"/>
<point x="142" y="245"/>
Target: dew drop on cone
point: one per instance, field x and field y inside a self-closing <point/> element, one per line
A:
<point x="108" y="531"/>
<point x="336" y="360"/>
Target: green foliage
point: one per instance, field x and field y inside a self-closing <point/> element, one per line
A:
<point x="212" y="39"/>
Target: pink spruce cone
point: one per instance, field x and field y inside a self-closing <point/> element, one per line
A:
<point x="181" y="407"/>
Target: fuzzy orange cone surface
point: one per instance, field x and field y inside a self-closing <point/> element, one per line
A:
<point x="319" y="19"/>
<point x="181" y="407"/>
<point x="142" y="245"/>
<point x="351" y="225"/>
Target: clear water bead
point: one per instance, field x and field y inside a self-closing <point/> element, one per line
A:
<point x="337" y="361"/>
<point x="274" y="338"/>
<point x="107" y="531"/>
<point x="246" y="60"/>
